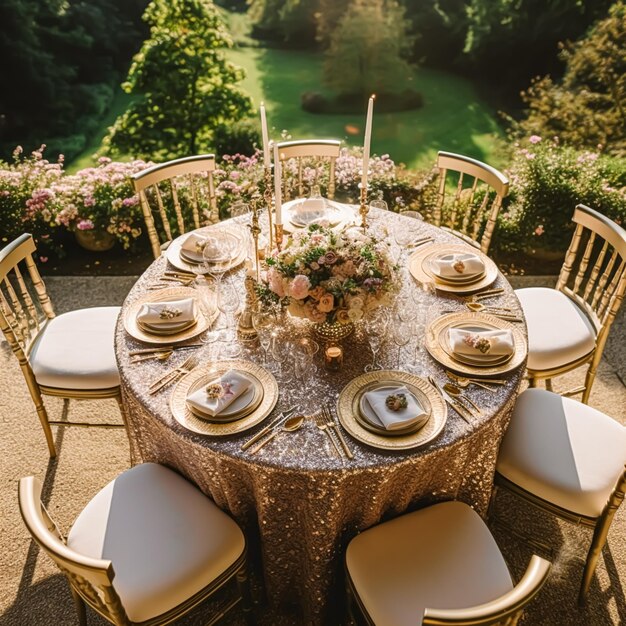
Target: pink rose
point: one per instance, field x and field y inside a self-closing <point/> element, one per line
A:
<point x="275" y="282"/>
<point x="330" y="257"/>
<point x="299" y="287"/>
<point x="326" y="303"/>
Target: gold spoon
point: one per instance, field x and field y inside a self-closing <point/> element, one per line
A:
<point x="291" y="424"/>
<point x="160" y="356"/>
<point x="463" y="382"/>
<point x="477" y="306"/>
<point x="456" y="392"/>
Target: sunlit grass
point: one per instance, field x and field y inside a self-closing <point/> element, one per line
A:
<point x="453" y="117"/>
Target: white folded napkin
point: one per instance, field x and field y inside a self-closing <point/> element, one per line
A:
<point x="233" y="384"/>
<point x="493" y="342"/>
<point x="199" y="247"/>
<point x="458" y="265"/>
<point x="309" y="210"/>
<point x="167" y="314"/>
<point x="393" y="420"/>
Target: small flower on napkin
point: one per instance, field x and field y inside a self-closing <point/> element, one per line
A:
<point x="392" y="419"/>
<point x="203" y="247"/>
<point x="232" y="384"/>
<point x="483" y="342"/>
<point x="458" y="265"/>
<point x="164" y="314"/>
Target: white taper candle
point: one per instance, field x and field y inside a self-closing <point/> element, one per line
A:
<point x="368" y="140"/>
<point x="264" y="134"/>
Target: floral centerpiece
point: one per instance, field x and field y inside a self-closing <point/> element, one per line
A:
<point x="328" y="276"/>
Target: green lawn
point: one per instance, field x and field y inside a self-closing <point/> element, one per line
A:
<point x="453" y="117"/>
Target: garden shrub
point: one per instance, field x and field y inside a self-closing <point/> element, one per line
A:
<point x="548" y="180"/>
<point x="241" y="137"/>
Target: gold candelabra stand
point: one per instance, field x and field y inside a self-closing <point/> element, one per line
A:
<point x="245" y="328"/>
<point x="363" y="210"/>
<point x="268" y="196"/>
<point x="279" y="236"/>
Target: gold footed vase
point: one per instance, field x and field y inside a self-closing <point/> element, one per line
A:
<point x="333" y="331"/>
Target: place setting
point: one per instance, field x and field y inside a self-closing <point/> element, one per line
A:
<point x="223" y="398"/>
<point x="453" y="268"/>
<point x="168" y="316"/>
<point x="391" y="410"/>
<point x="301" y="212"/>
<point x="220" y="249"/>
<point x="476" y="344"/>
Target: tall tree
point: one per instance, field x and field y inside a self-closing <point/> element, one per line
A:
<point x="588" y="106"/>
<point x="290" y="21"/>
<point x="184" y="86"/>
<point x="367" y="50"/>
<point x="512" y="40"/>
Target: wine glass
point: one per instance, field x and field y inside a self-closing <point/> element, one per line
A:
<point x="224" y="248"/>
<point x="228" y="302"/>
<point x="376" y="329"/>
<point x="401" y="335"/>
<point x="263" y="322"/>
<point x="282" y="350"/>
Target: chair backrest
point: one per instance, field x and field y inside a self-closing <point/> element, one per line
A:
<point x="503" y="611"/>
<point x="299" y="153"/>
<point x="23" y="313"/>
<point x="475" y="204"/>
<point x="90" y="578"/>
<point x="180" y="194"/>
<point x="594" y="271"/>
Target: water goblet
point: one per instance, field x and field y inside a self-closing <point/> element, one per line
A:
<point x="375" y="328"/>
<point x="228" y="302"/>
<point x="263" y="322"/>
<point x="401" y="335"/>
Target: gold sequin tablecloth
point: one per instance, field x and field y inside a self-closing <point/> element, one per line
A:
<point x="298" y="503"/>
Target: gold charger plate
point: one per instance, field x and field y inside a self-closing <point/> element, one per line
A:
<point x="347" y="408"/>
<point x="134" y="329"/>
<point x="439" y="352"/>
<point x="173" y="250"/>
<point x="419" y="266"/>
<point x="202" y="375"/>
<point x="234" y="411"/>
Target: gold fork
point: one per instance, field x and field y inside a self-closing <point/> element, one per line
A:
<point x="323" y="426"/>
<point x="331" y="422"/>
<point x="174" y="374"/>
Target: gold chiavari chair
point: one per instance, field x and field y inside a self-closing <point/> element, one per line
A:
<point x="147" y="549"/>
<point x="309" y="150"/>
<point x="69" y="355"/>
<point x="568" y="326"/>
<point x="473" y="208"/>
<point x="177" y="196"/>
<point x="439" y="565"/>
<point x="568" y="459"/>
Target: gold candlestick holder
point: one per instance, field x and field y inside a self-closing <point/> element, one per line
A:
<point x="255" y="230"/>
<point x="245" y="328"/>
<point x="363" y="209"/>
<point x="268" y="196"/>
<point x="279" y="236"/>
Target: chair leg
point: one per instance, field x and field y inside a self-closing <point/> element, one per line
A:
<point x="244" y="592"/>
<point x="42" y="413"/>
<point x="589" y="379"/>
<point x="549" y="384"/>
<point x="532" y="381"/>
<point x="600" y="533"/>
<point x="80" y="607"/>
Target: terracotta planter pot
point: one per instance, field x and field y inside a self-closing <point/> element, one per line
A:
<point x="95" y="240"/>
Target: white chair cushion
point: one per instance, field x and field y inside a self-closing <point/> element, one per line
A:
<point x="440" y="557"/>
<point x="558" y="331"/>
<point x="165" y="539"/>
<point x="76" y="350"/>
<point x="563" y="451"/>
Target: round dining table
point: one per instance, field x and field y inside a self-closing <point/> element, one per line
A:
<point x="297" y="500"/>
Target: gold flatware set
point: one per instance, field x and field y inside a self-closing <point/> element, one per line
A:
<point x="174" y="374"/>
